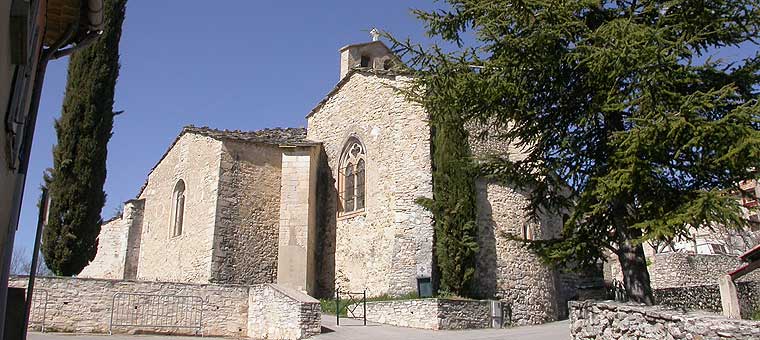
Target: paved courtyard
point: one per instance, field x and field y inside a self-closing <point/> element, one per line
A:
<point x="351" y="329"/>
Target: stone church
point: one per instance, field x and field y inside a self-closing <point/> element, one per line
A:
<point x="333" y="204"/>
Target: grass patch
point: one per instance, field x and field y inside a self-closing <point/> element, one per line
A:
<point x="329" y="306"/>
<point x="755" y="315"/>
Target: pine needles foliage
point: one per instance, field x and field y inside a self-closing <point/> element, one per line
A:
<point x="76" y="182"/>
<point x="629" y="121"/>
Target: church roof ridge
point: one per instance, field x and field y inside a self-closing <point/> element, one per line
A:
<point x="277" y="135"/>
<point x="273" y="136"/>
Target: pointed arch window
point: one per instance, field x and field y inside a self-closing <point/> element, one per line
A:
<point x="178" y="208"/>
<point x="352" y="177"/>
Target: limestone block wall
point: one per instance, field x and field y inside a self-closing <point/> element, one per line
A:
<point x="388" y="245"/>
<point x="247" y="213"/>
<point x="118" y="246"/>
<point x="110" y="260"/>
<point x="296" y="266"/>
<point x="506" y="269"/>
<point x="195" y="159"/>
<point x="430" y="313"/>
<point x="84" y="305"/>
<point x="277" y="312"/>
<point x="608" y="320"/>
<point x="264" y="311"/>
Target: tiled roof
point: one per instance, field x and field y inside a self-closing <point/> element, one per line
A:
<point x="278" y="136"/>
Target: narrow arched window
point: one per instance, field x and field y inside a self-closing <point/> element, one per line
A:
<point x="359" y="191"/>
<point x="352" y="176"/>
<point x="178" y="208"/>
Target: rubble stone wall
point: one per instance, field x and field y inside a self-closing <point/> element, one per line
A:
<point x="258" y="311"/>
<point x="388" y="245"/>
<point x="610" y="320"/>
<point x="247" y="216"/>
<point x="670" y="270"/>
<point x="505" y="268"/>
<point x="707" y="298"/>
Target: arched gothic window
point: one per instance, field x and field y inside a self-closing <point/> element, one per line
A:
<point x="178" y="208"/>
<point x="351" y="180"/>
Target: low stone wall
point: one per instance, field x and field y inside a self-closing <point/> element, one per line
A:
<point x="707" y="298"/>
<point x="611" y="320"/>
<point x="276" y="312"/>
<point x="430" y="313"/>
<point x="258" y="311"/>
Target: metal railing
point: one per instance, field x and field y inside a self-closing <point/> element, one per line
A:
<point x="38" y="312"/>
<point x="156" y="311"/>
<point x="353" y="301"/>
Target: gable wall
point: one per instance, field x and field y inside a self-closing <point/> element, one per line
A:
<point x="248" y="213"/>
<point x="385" y="248"/>
<point x="187" y="257"/>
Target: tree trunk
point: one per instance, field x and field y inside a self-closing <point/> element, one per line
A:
<point x="635" y="272"/>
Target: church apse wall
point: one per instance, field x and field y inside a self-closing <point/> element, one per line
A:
<point x="189" y="173"/>
<point x="384" y="242"/>
<point x="248" y="213"/>
<point x="505" y="268"/>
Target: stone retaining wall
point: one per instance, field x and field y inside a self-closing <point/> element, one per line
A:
<point x="669" y="270"/>
<point x="708" y="298"/>
<point x="611" y="320"/>
<point x="258" y="311"/>
<point x="430" y="313"/>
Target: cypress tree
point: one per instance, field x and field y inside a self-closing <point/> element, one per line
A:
<point x="628" y="121"/>
<point x="76" y="181"/>
<point x="453" y="203"/>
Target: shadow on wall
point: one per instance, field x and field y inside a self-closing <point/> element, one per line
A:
<point x="327" y="206"/>
<point x="506" y="269"/>
<point x="485" y="264"/>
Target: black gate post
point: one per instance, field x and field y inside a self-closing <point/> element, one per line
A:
<point x="337" y="307"/>
<point x="364" y="301"/>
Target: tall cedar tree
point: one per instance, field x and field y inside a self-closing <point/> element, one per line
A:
<point x="76" y="181"/>
<point x="626" y="119"/>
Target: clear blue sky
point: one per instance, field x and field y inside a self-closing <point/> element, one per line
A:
<point x="225" y="64"/>
<point x="236" y="64"/>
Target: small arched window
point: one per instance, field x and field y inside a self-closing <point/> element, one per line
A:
<point x="178" y="208"/>
<point x="351" y="180"/>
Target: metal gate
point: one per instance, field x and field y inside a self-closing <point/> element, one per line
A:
<point x="156" y="311"/>
<point x="352" y="302"/>
<point x="39" y="308"/>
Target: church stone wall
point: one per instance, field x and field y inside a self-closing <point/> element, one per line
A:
<point x="112" y="244"/>
<point x="247" y="213"/>
<point x="187" y="257"/>
<point x="387" y="246"/>
<point x="506" y="269"/>
<point x="118" y="245"/>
